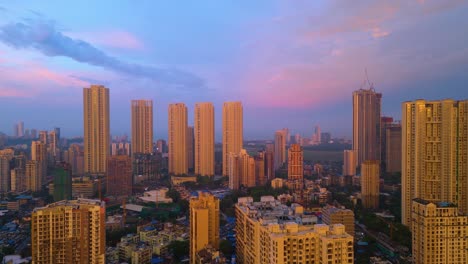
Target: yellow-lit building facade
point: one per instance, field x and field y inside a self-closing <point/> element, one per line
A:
<point x="142" y="126"/>
<point x="177" y="135"/>
<point x="39" y="154"/>
<point x="33" y="175"/>
<point x="204" y="139"/>
<point x="232" y="131"/>
<point x="295" y="163"/>
<point x="96" y="129"/>
<point x="349" y="162"/>
<point x="370" y="183"/>
<point x="434" y="153"/>
<point x="269" y="232"/>
<point x="204" y="223"/>
<point x="333" y="215"/>
<point x="69" y="232"/>
<point x="439" y="232"/>
<point x="241" y="170"/>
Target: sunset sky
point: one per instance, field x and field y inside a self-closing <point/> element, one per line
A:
<point x="292" y="64"/>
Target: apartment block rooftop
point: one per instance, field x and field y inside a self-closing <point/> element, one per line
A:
<point x="271" y="211"/>
<point x="76" y="204"/>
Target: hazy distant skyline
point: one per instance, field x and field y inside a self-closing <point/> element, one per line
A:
<point x="292" y="64"/>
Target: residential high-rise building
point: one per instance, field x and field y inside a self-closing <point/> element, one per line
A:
<point x="247" y="169"/>
<point x="234" y="171"/>
<point x="204" y="223"/>
<point x="333" y="215"/>
<point x="190" y="148"/>
<point x="146" y="166"/>
<point x="33" y="133"/>
<point x="53" y="150"/>
<point x="270" y="161"/>
<point x="119" y="175"/>
<point x="44" y="137"/>
<point x="434" y="153"/>
<point x="161" y="146"/>
<point x="96" y="129"/>
<point x="178" y="163"/>
<point x="122" y="148"/>
<point x="370" y="183"/>
<point x="75" y="159"/>
<point x="366" y="124"/>
<point x="241" y="170"/>
<point x="33" y="175"/>
<point x="316" y="137"/>
<point x="287" y="135"/>
<point x="142" y="126"/>
<point x="385" y="122"/>
<point x="19" y="129"/>
<point x="204" y="139"/>
<point x="18" y="179"/>
<point x="393" y="148"/>
<point x="57" y="133"/>
<point x="232" y="131"/>
<point x="5" y="171"/>
<point x="280" y="149"/>
<point x="349" y="162"/>
<point x="263" y="236"/>
<point x="39" y="153"/>
<point x="260" y="175"/>
<point x="439" y="231"/>
<point x="69" y="232"/>
<point x="295" y="163"/>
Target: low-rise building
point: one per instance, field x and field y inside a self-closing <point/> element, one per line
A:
<point x="333" y="215"/>
<point x="156" y="196"/>
<point x="277" y="183"/>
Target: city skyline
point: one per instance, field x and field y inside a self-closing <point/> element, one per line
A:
<point x="292" y="80"/>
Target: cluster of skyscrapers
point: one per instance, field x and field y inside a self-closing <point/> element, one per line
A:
<point x="433" y="160"/>
<point x="429" y="147"/>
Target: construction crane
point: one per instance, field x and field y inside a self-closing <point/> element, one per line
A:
<point x="371" y="85"/>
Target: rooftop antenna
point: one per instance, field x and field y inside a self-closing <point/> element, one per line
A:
<point x="371" y="85"/>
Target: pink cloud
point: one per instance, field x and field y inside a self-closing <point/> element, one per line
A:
<point x="111" y="38"/>
<point x="25" y="79"/>
<point x="377" y="32"/>
<point x="9" y="92"/>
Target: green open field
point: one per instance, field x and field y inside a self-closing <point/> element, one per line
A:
<point x="315" y="155"/>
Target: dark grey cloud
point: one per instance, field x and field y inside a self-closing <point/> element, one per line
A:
<point x="43" y="35"/>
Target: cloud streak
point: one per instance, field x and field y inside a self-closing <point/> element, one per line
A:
<point x="111" y="38"/>
<point x="44" y="37"/>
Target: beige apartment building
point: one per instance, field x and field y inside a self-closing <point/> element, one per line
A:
<point x="177" y="135"/>
<point x="96" y="129"/>
<point x="434" y="153"/>
<point x="333" y="215"/>
<point x="69" y="232"/>
<point x="370" y="183"/>
<point x="232" y="131"/>
<point x="204" y="223"/>
<point x="440" y="233"/>
<point x="142" y="126"/>
<point x="204" y="139"/>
